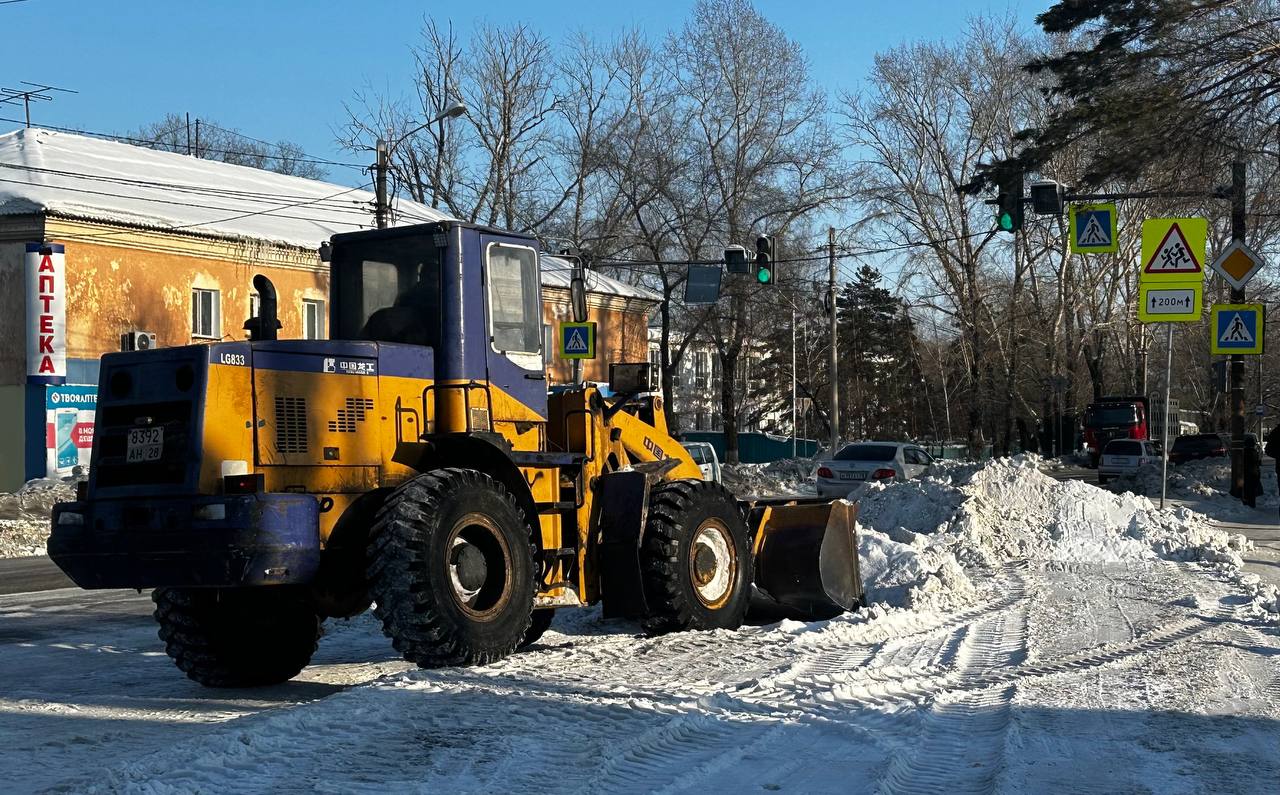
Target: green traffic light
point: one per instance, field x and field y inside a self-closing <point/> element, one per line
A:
<point x="764" y="276"/>
<point x="1005" y="220"/>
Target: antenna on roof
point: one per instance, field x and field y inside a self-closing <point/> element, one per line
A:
<point x="38" y="91"/>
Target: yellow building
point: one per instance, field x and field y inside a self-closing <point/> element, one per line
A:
<point x="100" y="239"/>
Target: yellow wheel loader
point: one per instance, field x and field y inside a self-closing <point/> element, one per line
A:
<point x="418" y="462"/>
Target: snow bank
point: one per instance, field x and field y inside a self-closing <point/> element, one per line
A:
<point x="918" y="536"/>
<point x="24" y="516"/>
<point x="1208" y="483"/>
<point x="788" y="476"/>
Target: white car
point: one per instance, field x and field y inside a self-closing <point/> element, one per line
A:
<point x="704" y="455"/>
<point x="1125" y="457"/>
<point x="860" y="462"/>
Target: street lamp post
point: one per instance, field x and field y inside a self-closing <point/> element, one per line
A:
<point x="451" y="111"/>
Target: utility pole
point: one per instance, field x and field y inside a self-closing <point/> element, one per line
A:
<point x="380" y="185"/>
<point x="197" y="138"/>
<point x="1237" y="361"/>
<point x="835" y="353"/>
<point x="188" y="135"/>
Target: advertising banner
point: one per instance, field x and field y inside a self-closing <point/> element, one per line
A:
<point x="68" y="427"/>
<point x="46" y="312"/>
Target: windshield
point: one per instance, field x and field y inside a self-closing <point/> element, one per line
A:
<point x="391" y="289"/>
<point x="1113" y="415"/>
<point x="1124" y="448"/>
<point x="1197" y="443"/>
<point x="867" y="452"/>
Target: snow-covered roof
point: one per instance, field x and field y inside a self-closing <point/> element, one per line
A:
<point x="557" y="272"/>
<point x="82" y="177"/>
<point x="95" y="179"/>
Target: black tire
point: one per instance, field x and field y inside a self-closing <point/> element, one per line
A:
<point x="541" y="623"/>
<point x="451" y="569"/>
<point x="687" y="518"/>
<point x="237" y="637"/>
<point x="1102" y="479"/>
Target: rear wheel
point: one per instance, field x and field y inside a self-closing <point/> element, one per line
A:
<point x="240" y="637"/>
<point x="541" y="623"/>
<point x="451" y="569"/>
<point x="696" y="558"/>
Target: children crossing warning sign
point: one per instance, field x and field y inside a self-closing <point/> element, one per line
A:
<point x="577" y="340"/>
<point x="1173" y="249"/>
<point x="1093" y="229"/>
<point x="1237" y="328"/>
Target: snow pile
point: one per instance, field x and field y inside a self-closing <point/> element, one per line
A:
<point x="917" y="537"/>
<point x="1207" y="482"/>
<point x="787" y="476"/>
<point x="24" y="516"/>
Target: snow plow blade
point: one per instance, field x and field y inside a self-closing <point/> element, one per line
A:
<point x="806" y="559"/>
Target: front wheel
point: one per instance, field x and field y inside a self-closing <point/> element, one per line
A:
<point x="451" y="569"/>
<point x="238" y="637"/>
<point x="695" y="559"/>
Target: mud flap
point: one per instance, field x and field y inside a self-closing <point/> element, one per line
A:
<point x="806" y="562"/>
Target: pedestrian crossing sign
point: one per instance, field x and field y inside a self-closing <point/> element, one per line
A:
<point x="577" y="340"/>
<point x="1093" y="229"/>
<point x="1236" y="328"/>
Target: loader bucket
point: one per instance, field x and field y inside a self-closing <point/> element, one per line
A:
<point x="806" y="559"/>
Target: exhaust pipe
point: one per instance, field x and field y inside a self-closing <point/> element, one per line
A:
<point x="267" y="323"/>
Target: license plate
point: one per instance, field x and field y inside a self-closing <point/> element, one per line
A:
<point x="145" y="444"/>
<point x="853" y="475"/>
<point x="1122" y="461"/>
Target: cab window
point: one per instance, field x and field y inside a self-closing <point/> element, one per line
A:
<point x="515" y="317"/>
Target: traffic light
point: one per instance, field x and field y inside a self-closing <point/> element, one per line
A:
<point x="1009" y="203"/>
<point x="1048" y="197"/>
<point x="764" y="260"/>
<point x="736" y="259"/>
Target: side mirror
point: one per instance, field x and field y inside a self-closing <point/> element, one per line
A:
<point x="578" y="299"/>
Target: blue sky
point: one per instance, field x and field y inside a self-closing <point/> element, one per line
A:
<point x="282" y="69"/>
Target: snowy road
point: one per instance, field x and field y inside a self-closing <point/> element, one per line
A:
<point x="1106" y="669"/>
<point x="1055" y="665"/>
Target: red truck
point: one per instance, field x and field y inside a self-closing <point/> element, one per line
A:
<point x="1110" y="418"/>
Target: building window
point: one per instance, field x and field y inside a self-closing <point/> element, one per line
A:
<point x="255" y="304"/>
<point x="206" y="320"/>
<point x="312" y="319"/>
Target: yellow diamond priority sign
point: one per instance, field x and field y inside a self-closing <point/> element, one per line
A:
<point x="1237" y="264"/>
<point x="1173" y="249"/>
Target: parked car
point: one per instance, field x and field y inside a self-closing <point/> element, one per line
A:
<point x="1125" y="457"/>
<point x="704" y="455"/>
<point x="1194" y="447"/>
<point x="860" y="462"/>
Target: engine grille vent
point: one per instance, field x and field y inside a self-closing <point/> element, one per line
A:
<point x="356" y="411"/>
<point x="291" y="424"/>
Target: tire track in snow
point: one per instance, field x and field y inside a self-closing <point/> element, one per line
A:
<point x="962" y="737"/>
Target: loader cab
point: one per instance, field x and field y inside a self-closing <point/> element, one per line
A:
<point x="470" y="293"/>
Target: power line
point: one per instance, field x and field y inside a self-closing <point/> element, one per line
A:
<point x="271" y="211"/>
<point x="199" y="190"/>
<point x="152" y="143"/>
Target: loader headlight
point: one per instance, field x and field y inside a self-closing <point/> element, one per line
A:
<point x="70" y="519"/>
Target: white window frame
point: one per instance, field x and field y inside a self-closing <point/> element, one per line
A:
<point x="216" y="332"/>
<point x="527" y="360"/>
<point x="318" y="305"/>
<point x="255" y="304"/>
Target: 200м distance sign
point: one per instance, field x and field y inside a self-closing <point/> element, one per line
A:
<point x="1170" y="302"/>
